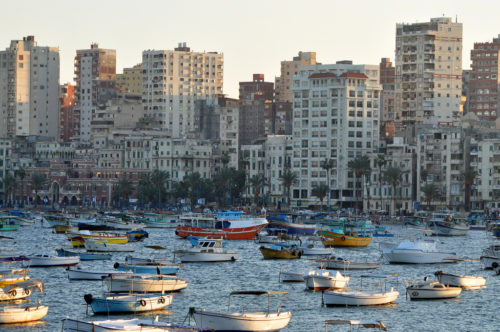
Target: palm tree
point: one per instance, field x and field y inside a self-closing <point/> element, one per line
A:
<point x="327" y="165"/>
<point x="9" y="183"/>
<point x="393" y="176"/>
<point x="468" y="177"/>
<point x="429" y="191"/>
<point x="123" y="190"/>
<point x="256" y="183"/>
<point x="380" y="161"/>
<point x="192" y="181"/>
<point x="288" y="178"/>
<point x="225" y="159"/>
<point x="21" y="173"/>
<point x="38" y="180"/>
<point x="360" y="166"/>
<point x="145" y="184"/>
<point x="159" y="180"/>
<point x="320" y="191"/>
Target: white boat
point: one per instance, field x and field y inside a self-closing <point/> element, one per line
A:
<point x="12" y="315"/>
<point x="323" y="279"/>
<point x="444" y="224"/>
<point x="357" y="324"/>
<point x="121" y="325"/>
<point x="206" y="250"/>
<point x="49" y="260"/>
<point x="92" y="245"/>
<point x="288" y="276"/>
<point x="430" y="290"/>
<point x="146" y="261"/>
<point x="338" y="263"/>
<point x="491" y="257"/>
<point x="244" y="321"/>
<point x="128" y="303"/>
<point x="315" y="248"/>
<point x="464" y="281"/>
<point x="20" y="290"/>
<point x="144" y="283"/>
<point x="80" y="274"/>
<point x="417" y="252"/>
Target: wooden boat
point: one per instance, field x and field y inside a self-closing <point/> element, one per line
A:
<point x="332" y="239"/>
<point x="430" y="290"/>
<point x="55" y="220"/>
<point x="122" y="325"/>
<point x="144" y="283"/>
<point x="323" y="279"/>
<point x="51" y="261"/>
<point x="12" y="315"/>
<point x="444" y="224"/>
<point x="152" y="220"/>
<point x="291" y="224"/>
<point x="281" y="251"/>
<point x="116" y="304"/>
<point x="464" y="281"/>
<point x="338" y="263"/>
<point x="357" y="324"/>
<point x="207" y="250"/>
<point x="84" y="256"/>
<point x="148" y="268"/>
<point x="63" y="229"/>
<point x="78" y="239"/>
<point x="20" y="290"/>
<point x="8" y="224"/>
<point x="81" y="274"/>
<point x="92" y="245"/>
<point x="12" y="276"/>
<point x="254" y="321"/>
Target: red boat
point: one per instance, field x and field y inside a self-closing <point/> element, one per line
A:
<point x="229" y="225"/>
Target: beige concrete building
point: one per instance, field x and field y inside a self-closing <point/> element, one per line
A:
<point x="29" y="89"/>
<point x="174" y="80"/>
<point x="428" y="72"/>
<point x="125" y="112"/>
<point x="130" y="81"/>
<point x="283" y="83"/>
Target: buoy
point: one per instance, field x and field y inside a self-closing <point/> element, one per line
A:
<point x="27" y="291"/>
<point x="116" y="265"/>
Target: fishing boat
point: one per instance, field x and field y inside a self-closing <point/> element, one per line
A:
<point x="116" y="304"/>
<point x="12" y="276"/>
<point x="55" y="220"/>
<point x="144" y="283"/>
<point x="490" y="257"/>
<point x="323" y="279"/>
<point x="346" y="234"/>
<point x="14" y="315"/>
<point x="153" y="220"/>
<point x="20" y="290"/>
<point x="84" y="274"/>
<point x="243" y="321"/>
<point x="292" y="224"/>
<point x="84" y="256"/>
<point x="444" y="224"/>
<point x="137" y="235"/>
<point x="92" y="245"/>
<point x="417" y="252"/>
<point x="122" y="325"/>
<point x="314" y="247"/>
<point x="63" y="229"/>
<point x="148" y="268"/>
<point x="206" y="250"/>
<point x="357" y="324"/>
<point x="281" y="251"/>
<point x="419" y="222"/>
<point x="8" y="223"/>
<point x="430" y="290"/>
<point x="50" y="261"/>
<point x="338" y="263"/>
<point x="362" y="297"/>
<point x="78" y="239"/>
<point x="229" y="225"/>
<point x="464" y="281"/>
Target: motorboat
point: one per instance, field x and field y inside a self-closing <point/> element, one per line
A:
<point x="265" y="237"/>
<point x="244" y="321"/>
<point x="229" y="225"/>
<point x="445" y="224"/>
<point x="50" y="261"/>
<point x="81" y="274"/>
<point x="281" y="251"/>
<point x="153" y="220"/>
<point x="417" y="252"/>
<point x="15" y="314"/>
<point x="323" y="279"/>
<point x="490" y="257"/>
<point x="206" y="250"/>
<point x="430" y="290"/>
<point x="362" y="297"/>
<point x="84" y="256"/>
<point x="343" y="233"/>
<point x="148" y="268"/>
<point x="12" y="276"/>
<point x="311" y="248"/>
<point x="20" y="290"/>
<point x="338" y="263"/>
<point x="92" y="245"/>
<point x="464" y="281"/>
<point x="292" y="224"/>
<point x="146" y="261"/>
<point x="357" y="324"/>
<point x="289" y="276"/>
<point x="79" y="238"/>
<point x="121" y="325"/>
<point x="144" y="283"/>
<point x="115" y="304"/>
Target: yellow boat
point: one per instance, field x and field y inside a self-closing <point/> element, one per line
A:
<point x="332" y="239"/>
<point x="77" y="239"/>
<point x="9" y="277"/>
<point x="281" y="251"/>
<point x="62" y="229"/>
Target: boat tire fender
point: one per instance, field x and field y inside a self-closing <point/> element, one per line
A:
<point x="494" y="265"/>
<point x="13" y="293"/>
<point x="27" y="291"/>
<point x="161" y="300"/>
<point x="343" y="238"/>
<point x="143" y="303"/>
<point x="233" y="259"/>
<point x="414" y="293"/>
<point x="116" y="265"/>
<point x="88" y="298"/>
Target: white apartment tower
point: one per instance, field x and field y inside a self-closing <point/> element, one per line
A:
<point x="29" y="89"/>
<point x="335" y="116"/>
<point x="428" y="72"/>
<point x="174" y="80"/>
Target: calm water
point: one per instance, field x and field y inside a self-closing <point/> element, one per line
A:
<point x="209" y="284"/>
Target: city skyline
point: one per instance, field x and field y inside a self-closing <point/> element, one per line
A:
<point x="251" y="35"/>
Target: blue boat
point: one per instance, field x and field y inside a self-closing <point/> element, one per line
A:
<point x="290" y="224"/>
<point x="84" y="256"/>
<point x="148" y="269"/>
<point x="128" y="303"/>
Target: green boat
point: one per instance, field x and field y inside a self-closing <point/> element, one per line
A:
<point x="153" y="220"/>
<point x="8" y="223"/>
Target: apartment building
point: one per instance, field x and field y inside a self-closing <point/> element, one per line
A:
<point x="387" y="80"/>
<point x="335" y="116"/>
<point x="173" y="81"/>
<point x="428" y="72"/>
<point x="29" y="89"/>
<point x="289" y="68"/>
<point x="229" y="133"/>
<point x="69" y="123"/>
<point x="130" y="81"/>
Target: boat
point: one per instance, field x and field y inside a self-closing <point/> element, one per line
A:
<point x="20" y="290"/>
<point x="206" y="250"/>
<point x="12" y="276"/>
<point x="430" y="290"/>
<point x="323" y="279"/>
<point x="92" y="245"/>
<point x="146" y="261"/>
<point x="14" y="315"/>
<point x="148" y="268"/>
<point x="81" y="274"/>
<point x="78" y="239"/>
<point x="288" y="276"/>
<point x="50" y="261"/>
<point x="153" y="220"/>
<point x="346" y="234"/>
<point x="419" y="222"/>
<point x="490" y="257"/>
<point x="282" y="223"/>
<point x="357" y="324"/>
<point x="338" y="263"/>
<point x="417" y="252"/>
<point x="362" y="297"/>
<point x="229" y="225"/>
<point x="382" y="234"/>
<point x="311" y="248"/>
<point x="55" y="220"/>
<point x="281" y="251"/>
<point x="134" y="303"/>
<point x="265" y="237"/>
<point x="244" y="321"/>
<point x="464" y="281"/>
<point x="144" y="283"/>
<point x="137" y="235"/>
<point x="63" y="229"/>
<point x="122" y="325"/>
<point x="444" y="224"/>
<point x="84" y="256"/>
<point x="8" y="223"/>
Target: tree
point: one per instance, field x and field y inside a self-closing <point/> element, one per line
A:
<point x="256" y="182"/>
<point x="123" y="190"/>
<point x="288" y="178"/>
<point x="21" y="173"/>
<point x="9" y="183"/>
<point x="159" y="180"/>
<point x="327" y="165"/>
<point x="393" y="176"/>
<point x="360" y="166"/>
<point x="179" y="190"/>
<point x="225" y="159"/>
<point x="429" y="191"/>
<point x="192" y="182"/>
<point x="320" y="191"/>
<point x="38" y="180"/>
<point x="468" y="177"/>
<point x="380" y="161"/>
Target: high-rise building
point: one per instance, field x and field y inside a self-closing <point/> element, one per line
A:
<point x="130" y="81"/>
<point x="174" y="80"/>
<point x="484" y="80"/>
<point x="428" y="72"/>
<point x="283" y="83"/>
<point x="95" y="77"/>
<point x="251" y="121"/>
<point x="387" y="79"/>
<point x="69" y="123"/>
<point x="257" y="89"/>
<point x="466" y="91"/>
<point x="29" y="89"/>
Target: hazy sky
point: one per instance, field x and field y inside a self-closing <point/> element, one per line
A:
<point x="253" y="35"/>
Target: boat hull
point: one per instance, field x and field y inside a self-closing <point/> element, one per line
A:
<point x="321" y="283"/>
<point x="245" y="233"/>
<point x="125" y="285"/>
<point x="130" y="303"/>
<point x="192" y="257"/>
<point x="417" y="257"/>
<point x="291" y="228"/>
<point x="317" y="251"/>
<point x="22" y="315"/>
<point x="340" y="264"/>
<point x="446" y="230"/>
<point x="466" y="282"/>
<point x="269" y="253"/>
<point x="149" y="269"/>
<point x="129" y="325"/>
<point x="339" y="298"/>
<point x="15" y="294"/>
<point x="332" y="239"/>
<point x="108" y="247"/>
<point x="75" y="274"/>
<point x="84" y="256"/>
<point x="291" y="277"/>
<point x="490" y="262"/>
<point x="54" y="261"/>
<point x="241" y="322"/>
<point x="433" y="294"/>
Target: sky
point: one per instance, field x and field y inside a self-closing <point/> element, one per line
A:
<point x="253" y="35"/>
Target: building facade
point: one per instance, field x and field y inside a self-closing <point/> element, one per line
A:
<point x="257" y="89"/>
<point x="283" y="83"/>
<point x="387" y="80"/>
<point x="130" y="81"/>
<point x="69" y="123"/>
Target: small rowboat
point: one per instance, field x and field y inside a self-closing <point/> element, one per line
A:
<point x="144" y="283"/>
<point x="49" y="261"/>
<point x="128" y="303"/>
<point x="281" y="251"/>
<point x="12" y="315"/>
<point x="20" y="290"/>
<point x="430" y="290"/>
<point x="344" y="264"/>
<point x="84" y="256"/>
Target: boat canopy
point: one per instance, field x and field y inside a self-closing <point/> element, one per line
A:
<point x="38" y="284"/>
<point x="363" y="323"/>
